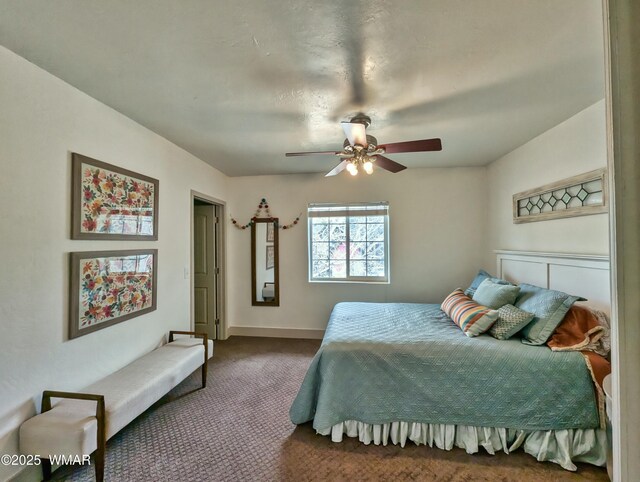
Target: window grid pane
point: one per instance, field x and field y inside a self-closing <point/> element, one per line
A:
<point x="328" y="247"/>
<point x="349" y="247"/>
<point x="366" y="236"/>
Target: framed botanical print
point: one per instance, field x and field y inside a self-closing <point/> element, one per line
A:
<point x="271" y="257"/>
<point x="109" y="202"/>
<point x="270" y="231"/>
<point x="108" y="287"/>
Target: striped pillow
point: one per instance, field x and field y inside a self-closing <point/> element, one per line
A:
<point x="472" y="318"/>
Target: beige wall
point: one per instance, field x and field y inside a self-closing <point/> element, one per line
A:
<point x="445" y="223"/>
<point x="575" y="146"/>
<point x="437" y="233"/>
<point x="42" y="119"/>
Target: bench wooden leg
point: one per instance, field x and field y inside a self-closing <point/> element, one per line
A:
<point x="205" y="342"/>
<point x="206" y="361"/>
<point x="101" y="441"/>
<point x="204" y="374"/>
<point x="99" y="463"/>
<point x="46" y="469"/>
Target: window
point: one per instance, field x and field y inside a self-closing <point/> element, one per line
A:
<point x="349" y="242"/>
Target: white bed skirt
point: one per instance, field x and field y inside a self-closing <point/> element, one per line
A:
<point x="564" y="447"/>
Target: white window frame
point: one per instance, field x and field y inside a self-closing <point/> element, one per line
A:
<point x="348" y="210"/>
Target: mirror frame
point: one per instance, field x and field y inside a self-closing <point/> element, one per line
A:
<point x="276" y="266"/>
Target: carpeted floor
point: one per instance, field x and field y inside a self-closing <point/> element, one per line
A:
<point x="238" y="429"/>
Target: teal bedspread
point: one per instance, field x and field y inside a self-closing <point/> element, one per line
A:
<point x="388" y="362"/>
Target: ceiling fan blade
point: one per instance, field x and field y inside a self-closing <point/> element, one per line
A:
<point x="291" y="154"/>
<point x="338" y="169"/>
<point x="413" y="146"/>
<point x="355" y="132"/>
<point x="388" y="164"/>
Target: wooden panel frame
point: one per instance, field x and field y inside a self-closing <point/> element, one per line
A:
<point x="76" y="200"/>
<point x="569" y="212"/>
<point x="74" y="287"/>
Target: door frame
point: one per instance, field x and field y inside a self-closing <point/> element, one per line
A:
<point x="622" y="49"/>
<point x="221" y="330"/>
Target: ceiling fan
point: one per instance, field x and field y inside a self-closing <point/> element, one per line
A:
<point x="362" y="150"/>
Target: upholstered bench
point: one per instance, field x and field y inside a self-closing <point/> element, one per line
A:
<point x="76" y="426"/>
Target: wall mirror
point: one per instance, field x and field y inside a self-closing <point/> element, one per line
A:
<point x="265" y="284"/>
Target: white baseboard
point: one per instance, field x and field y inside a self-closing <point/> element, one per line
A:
<point x="275" y="332"/>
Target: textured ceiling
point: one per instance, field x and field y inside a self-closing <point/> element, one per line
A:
<point x="238" y="83"/>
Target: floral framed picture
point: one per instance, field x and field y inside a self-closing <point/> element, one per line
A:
<point x="270" y="231"/>
<point x="109" y="202"/>
<point x="108" y="287"/>
<point x="271" y="257"/>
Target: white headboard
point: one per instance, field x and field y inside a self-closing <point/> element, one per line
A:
<point x="577" y="274"/>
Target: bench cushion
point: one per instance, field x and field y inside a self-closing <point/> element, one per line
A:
<point x="70" y="427"/>
<point x="63" y="430"/>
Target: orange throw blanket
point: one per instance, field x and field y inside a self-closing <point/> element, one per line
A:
<point x="583" y="330"/>
<point x="599" y="368"/>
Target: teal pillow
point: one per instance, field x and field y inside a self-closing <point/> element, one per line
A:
<point x="480" y="277"/>
<point x="495" y="295"/>
<point x="510" y="321"/>
<point x="549" y="306"/>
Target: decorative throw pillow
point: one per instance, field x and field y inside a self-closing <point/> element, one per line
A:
<point x="472" y="318"/>
<point x="495" y="295"/>
<point x="510" y="321"/>
<point x="470" y="292"/>
<point x="549" y="306"/>
<point x="480" y="277"/>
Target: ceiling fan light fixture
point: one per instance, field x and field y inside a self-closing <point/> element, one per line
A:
<point x="361" y="150"/>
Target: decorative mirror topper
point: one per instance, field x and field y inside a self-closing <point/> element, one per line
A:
<point x="264" y="207"/>
<point x="109" y="202"/>
<point x="580" y="195"/>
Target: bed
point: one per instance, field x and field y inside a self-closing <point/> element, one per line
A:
<point x="393" y="372"/>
